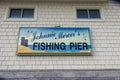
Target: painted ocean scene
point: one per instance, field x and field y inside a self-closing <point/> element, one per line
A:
<point x="59" y="50"/>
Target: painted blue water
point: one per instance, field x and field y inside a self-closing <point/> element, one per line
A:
<point x="59" y="50"/>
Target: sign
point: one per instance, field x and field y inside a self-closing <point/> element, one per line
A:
<point x="54" y="41"/>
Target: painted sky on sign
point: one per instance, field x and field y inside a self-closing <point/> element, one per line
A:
<point x="28" y="34"/>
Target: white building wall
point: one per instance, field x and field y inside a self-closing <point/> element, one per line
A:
<point x="105" y="37"/>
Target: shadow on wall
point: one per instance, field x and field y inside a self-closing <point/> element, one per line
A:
<point x="2" y="79"/>
<point x="118" y="1"/>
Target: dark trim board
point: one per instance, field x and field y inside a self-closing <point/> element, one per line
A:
<point x="60" y="75"/>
